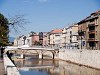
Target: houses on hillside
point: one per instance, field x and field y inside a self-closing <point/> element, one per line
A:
<point x="82" y="35"/>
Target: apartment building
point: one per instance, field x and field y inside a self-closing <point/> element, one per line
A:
<point x="55" y="38"/>
<point x="35" y="38"/>
<point x="64" y="37"/>
<point x="70" y="37"/>
<point x="89" y="31"/>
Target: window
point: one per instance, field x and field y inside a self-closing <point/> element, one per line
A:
<point x="70" y="36"/>
<point x="91" y="28"/>
<point x="70" y="32"/>
<point x="70" y="40"/>
<point x="92" y="44"/>
<point x="57" y="35"/>
<point x="91" y="35"/>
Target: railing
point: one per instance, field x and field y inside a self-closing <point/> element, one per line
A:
<point x="92" y="24"/>
<point x="46" y="47"/>
<point x="92" y="39"/>
<point x="92" y="32"/>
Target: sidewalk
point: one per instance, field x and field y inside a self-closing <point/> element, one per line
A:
<point x="2" y="71"/>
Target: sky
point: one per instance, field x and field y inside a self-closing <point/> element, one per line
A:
<point x="46" y="15"/>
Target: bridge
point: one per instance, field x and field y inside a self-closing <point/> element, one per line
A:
<point x="11" y="69"/>
<point x="36" y="49"/>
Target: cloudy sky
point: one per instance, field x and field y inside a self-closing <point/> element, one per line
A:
<point x="45" y="15"/>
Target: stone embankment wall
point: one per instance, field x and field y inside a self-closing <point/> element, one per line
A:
<point x="10" y="68"/>
<point x="89" y="58"/>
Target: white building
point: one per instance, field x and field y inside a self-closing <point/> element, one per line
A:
<point x="23" y="40"/>
<point x="55" y="38"/>
<point x="70" y="37"/>
<point x="28" y="40"/>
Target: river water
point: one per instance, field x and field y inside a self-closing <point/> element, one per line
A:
<point x="31" y="65"/>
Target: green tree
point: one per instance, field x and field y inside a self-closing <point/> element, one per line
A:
<point x="4" y="30"/>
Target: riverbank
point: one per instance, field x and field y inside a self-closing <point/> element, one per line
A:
<point x="2" y="70"/>
<point x="89" y="58"/>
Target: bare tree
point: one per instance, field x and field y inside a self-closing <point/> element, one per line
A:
<point x="18" y="22"/>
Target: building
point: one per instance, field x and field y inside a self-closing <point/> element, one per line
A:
<point x="23" y="40"/>
<point x="35" y="38"/>
<point x="19" y="41"/>
<point x="64" y="37"/>
<point x="45" y="39"/>
<point x="41" y="38"/>
<point x="54" y="38"/>
<point x="28" y="40"/>
<point x="16" y="41"/>
<point x="70" y="37"/>
<point x="89" y="31"/>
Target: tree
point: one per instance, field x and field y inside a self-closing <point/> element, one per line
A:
<point x="15" y="22"/>
<point x="4" y="30"/>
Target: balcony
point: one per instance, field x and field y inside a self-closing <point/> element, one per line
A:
<point x="92" y="32"/>
<point x="92" y="39"/>
<point x="92" y="24"/>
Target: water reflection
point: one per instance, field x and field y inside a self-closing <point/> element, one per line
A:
<point x="60" y="67"/>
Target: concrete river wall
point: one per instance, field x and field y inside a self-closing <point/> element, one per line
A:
<point x="90" y="58"/>
<point x="10" y="68"/>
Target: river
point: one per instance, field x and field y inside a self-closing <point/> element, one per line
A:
<point x="31" y="65"/>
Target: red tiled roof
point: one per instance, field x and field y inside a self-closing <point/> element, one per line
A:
<point x="56" y="31"/>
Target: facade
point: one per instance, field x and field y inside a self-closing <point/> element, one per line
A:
<point x="19" y="41"/>
<point x="16" y="42"/>
<point x="45" y="39"/>
<point x="23" y="40"/>
<point x="64" y="37"/>
<point x="54" y="38"/>
<point x="82" y="28"/>
<point x="74" y="36"/>
<point x="41" y="38"/>
<point x="70" y="37"/>
<point x="89" y="31"/>
<point x="28" y="40"/>
<point x="35" y="38"/>
<point x="32" y="39"/>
